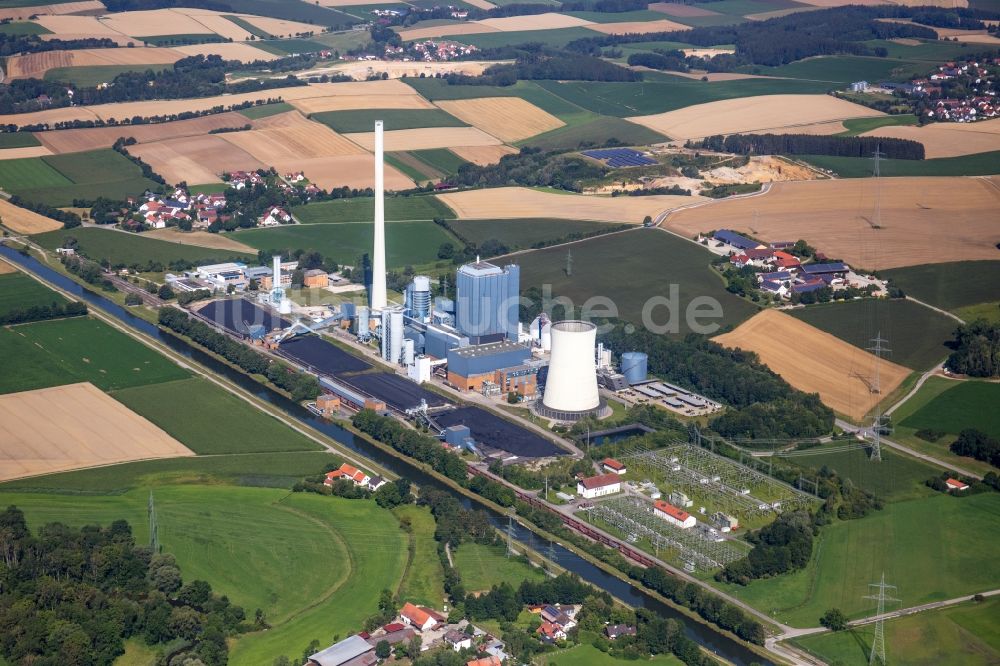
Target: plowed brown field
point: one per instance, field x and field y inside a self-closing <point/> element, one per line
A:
<point x="92" y="138"/>
<point x="507" y="118"/>
<point x="72" y="427"/>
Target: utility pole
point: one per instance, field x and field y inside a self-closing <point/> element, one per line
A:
<point x="877" y="654"/>
<point x="546" y="488"/>
<point x="878" y="350"/>
<point x="569" y="263"/>
<point x="510" y="534"/>
<point x="154" y="537"/>
<point x="877" y="218"/>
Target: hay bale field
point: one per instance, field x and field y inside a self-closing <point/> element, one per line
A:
<point x="518" y="202"/>
<point x="355" y="171"/>
<point x="817" y="363"/>
<point x="766" y="112"/>
<point x="70" y="427"/>
<point x="241" y="52"/>
<point x="93" y="138"/>
<point x="195" y="159"/>
<point x="912" y="228"/>
<point x="356" y="102"/>
<point x="483" y="155"/>
<point x="948" y="139"/>
<point x="507" y="118"/>
<point x="26" y="151"/>
<point x="200" y="239"/>
<point x="638" y="27"/>
<point x="425" y="138"/>
<point x="23" y="221"/>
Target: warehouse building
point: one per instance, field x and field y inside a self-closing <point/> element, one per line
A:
<point x="673" y="515"/>
<point x="469" y="367"/>
<point x="599" y="486"/>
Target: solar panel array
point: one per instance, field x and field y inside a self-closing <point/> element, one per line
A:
<point x="620" y="157"/>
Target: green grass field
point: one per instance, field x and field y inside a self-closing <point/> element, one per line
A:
<point x="118" y="247"/>
<point x="423" y="581"/>
<point x="531" y="91"/>
<point x="856" y="126"/>
<point x="935" y="548"/>
<point x="395" y="119"/>
<point x="265" y="110"/>
<point x="934" y="51"/>
<point x="181" y="39"/>
<point x="899" y="478"/>
<point x="526" y="233"/>
<point x="81" y="349"/>
<point x="961" y="635"/>
<point x="918" y="335"/>
<point x="58" y="179"/>
<point x="588" y="655"/>
<point x="344" y="41"/>
<point x="249" y="27"/>
<point x="18" y="291"/>
<point x="88" y="77"/>
<point x="594" y="131"/>
<point x="951" y="285"/>
<point x="556" y="38"/>
<point x="968" y="404"/>
<point x="631" y="268"/>
<point x="844" y="69"/>
<point x="482" y="567"/>
<point x="18" y="140"/>
<point x="24" y="28"/>
<point x="338" y="211"/>
<point x="306" y="12"/>
<point x="406" y="242"/>
<point x="988" y="311"/>
<point x="214" y="420"/>
<point x="283" y="47"/>
<point x="979" y="164"/>
<point x="441" y="159"/>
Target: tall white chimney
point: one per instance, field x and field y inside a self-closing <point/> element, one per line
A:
<point x="379" y="300"/>
<point x="276" y="273"/>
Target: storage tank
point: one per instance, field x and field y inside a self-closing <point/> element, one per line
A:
<point x="635" y="367"/>
<point x="571" y="385"/>
<point x="392" y="334"/>
<point x="408" y="351"/>
<point x="546" y="337"/>
<point x="347" y="310"/>
<point x="364" y="325"/>
<point x="420" y="304"/>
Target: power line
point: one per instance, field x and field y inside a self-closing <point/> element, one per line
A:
<point x="878" y="350"/>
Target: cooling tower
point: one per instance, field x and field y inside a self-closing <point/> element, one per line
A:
<point x="379" y="300"/>
<point x="571" y="387"/>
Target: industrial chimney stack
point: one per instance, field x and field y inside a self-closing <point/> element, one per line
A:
<point x="378" y="294"/>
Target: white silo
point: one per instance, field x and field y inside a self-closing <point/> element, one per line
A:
<point x="546" y="337"/>
<point x="571" y="386"/>
<point x="408" y="351"/>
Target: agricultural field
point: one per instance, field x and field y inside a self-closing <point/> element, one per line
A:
<point x="407" y="243"/>
<point x="525" y="234"/>
<point x="896" y="540"/>
<point x="394" y="119"/>
<point x="962" y="634"/>
<point x="18" y="140"/>
<point x="585" y="654"/>
<point x="845" y="69"/>
<point x="555" y="37"/>
<point x="909" y="231"/>
<point x="90" y="76"/>
<point x="948" y="139"/>
<point x="949" y="286"/>
<point x="960" y="405"/>
<point x="436" y="163"/>
<point x="630" y="269"/>
<point x="18" y="291"/>
<point x="818" y="363"/>
<point x="426" y="138"/>
<point x="595" y="131"/>
<point x="81" y="349"/>
<point x="977" y="164"/>
<point x="127" y="249"/>
<point x="339" y="211"/>
<point x="199" y="239"/>
<point x="857" y="126"/>
<point x="423" y="581"/>
<point x="481" y="567"/>
<point x="215" y="420"/>
<point x="265" y="110"/>
<point x="69" y="427"/>
<point x="530" y="91"/>
<point x="481" y="155"/>
<point x="507" y="118"/>
<point x="917" y="335"/>
<point x="776" y="114"/>
<point x="58" y="179"/>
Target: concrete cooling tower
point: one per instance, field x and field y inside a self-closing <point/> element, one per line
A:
<point x="571" y="385"/>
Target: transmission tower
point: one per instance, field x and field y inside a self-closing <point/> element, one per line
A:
<point x="569" y="262"/>
<point x="876" y="388"/>
<point x="154" y="537"/>
<point x="510" y="534"/>
<point x="877" y="654"/>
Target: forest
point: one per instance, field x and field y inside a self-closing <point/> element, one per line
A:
<point x="530" y="167"/>
<point x="784" y="545"/>
<point x="977" y="350"/>
<point x="810" y="144"/>
<point x="541" y="66"/>
<point x="72" y="596"/>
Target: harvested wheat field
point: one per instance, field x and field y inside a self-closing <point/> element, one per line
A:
<point x="356" y="102"/>
<point x="28" y="151"/>
<point x="242" y="52"/>
<point x="21" y="13"/>
<point x="302" y="140"/>
<point x="521" y="202"/>
<point x="76" y="25"/>
<point x="818" y="362"/>
<point x="199" y="239"/>
<point x="153" y="23"/>
<point x="6" y="268"/>
<point x="748" y="114"/>
<point x="93" y="138"/>
<point x="923" y="220"/>
<point x="970" y="36"/>
<point x="72" y="427"/>
<point x="279" y="27"/>
<point x="681" y="10"/>
<point x="23" y="221"/>
<point x="219" y="24"/>
<point x="948" y="139"/>
<point x="547" y="21"/>
<point x="425" y="138"/>
<point x="507" y="118"/>
<point x="637" y="27"/>
<point x="483" y="155"/>
<point x="481" y="4"/>
<point x="360" y="70"/>
<point x="447" y="30"/>
<point x="355" y="171"/>
<point x="195" y="159"/>
<point x="34" y="65"/>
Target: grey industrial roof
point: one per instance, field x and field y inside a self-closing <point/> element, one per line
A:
<point x="490" y="348"/>
<point x="342" y="652"/>
<point x="481" y="268"/>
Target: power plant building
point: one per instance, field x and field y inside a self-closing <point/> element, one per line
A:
<point x="469" y="367"/>
<point x="418" y="298"/>
<point x="392" y="334"/>
<point x="571" y="382"/>
<point x="487" y="303"/>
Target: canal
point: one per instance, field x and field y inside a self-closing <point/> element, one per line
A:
<point x="704" y="635"/>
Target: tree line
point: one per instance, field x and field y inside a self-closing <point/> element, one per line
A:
<point x="531" y="167"/>
<point x="73" y="596"/>
<point x="43" y="312"/>
<point x="977" y="444"/>
<point x="809" y="144"/>
<point x="11" y="45"/>
<point x="543" y="66"/>
<point x="416" y="445"/>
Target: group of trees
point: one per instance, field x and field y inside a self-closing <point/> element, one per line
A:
<point x="532" y="168"/>
<point x="416" y="445"/>
<point x="68" y="218"/>
<point x="808" y="144"/>
<point x="87" y="271"/>
<point x="977" y="349"/>
<point x="14" y="44"/>
<point x="540" y="66"/>
<point x="784" y="545"/>
<point x="977" y="444"/>
<point x="72" y="596"/>
<point x="43" y="312"/>
<point x="504" y="602"/>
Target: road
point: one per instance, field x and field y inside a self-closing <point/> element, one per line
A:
<point x="867" y="434"/>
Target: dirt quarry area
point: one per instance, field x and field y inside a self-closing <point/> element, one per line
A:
<point x="923" y="220"/>
<point x="818" y="362"/>
<point x="71" y="427"/>
<point x="774" y="113"/>
<point x="23" y="221"/>
<point x="948" y="139"/>
<point x="519" y="202"/>
<point x="507" y="118"/>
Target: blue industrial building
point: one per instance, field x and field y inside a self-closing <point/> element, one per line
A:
<point x="487" y="303"/>
<point x="439" y="339"/>
<point x="485" y="359"/>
